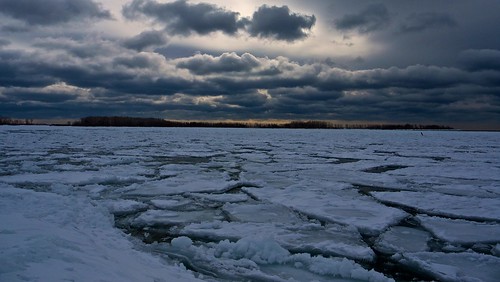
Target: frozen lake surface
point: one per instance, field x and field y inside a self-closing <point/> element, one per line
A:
<point x="189" y="204"/>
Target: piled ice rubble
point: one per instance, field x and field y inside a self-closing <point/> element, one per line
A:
<point x="244" y="257"/>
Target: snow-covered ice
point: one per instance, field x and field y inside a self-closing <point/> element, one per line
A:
<point x="311" y="238"/>
<point x="453" y="266"/>
<point x="400" y="239"/>
<point x="327" y="204"/>
<point x="433" y="203"/>
<point x="187" y="204"/>
<point x="461" y="231"/>
<point x="245" y="255"/>
<point x="48" y="237"/>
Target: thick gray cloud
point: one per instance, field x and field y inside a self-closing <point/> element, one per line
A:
<point x="227" y="62"/>
<point x="429" y="64"/>
<point x="280" y="23"/>
<point x="146" y="40"/>
<point x="483" y="59"/>
<point x="242" y="86"/>
<point x="50" y="12"/>
<point x="371" y="18"/>
<point x="182" y="18"/>
<point x="4" y="42"/>
<point x="417" y="22"/>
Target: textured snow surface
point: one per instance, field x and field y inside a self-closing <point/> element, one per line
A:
<point x="181" y="204"/>
<point x="47" y="237"/>
<point x="312" y="238"/>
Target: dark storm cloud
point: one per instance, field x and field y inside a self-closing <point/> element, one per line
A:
<point x="280" y="23"/>
<point x="146" y="40"/>
<point x="33" y="95"/>
<point x="236" y="85"/>
<point x="17" y="70"/>
<point x="86" y="47"/>
<point x="227" y="62"/>
<point x="139" y="61"/>
<point x="414" y="77"/>
<point x="417" y="22"/>
<point x="50" y="12"/>
<point x="4" y="42"/>
<point x="182" y="18"/>
<point x="483" y="59"/>
<point x="373" y="17"/>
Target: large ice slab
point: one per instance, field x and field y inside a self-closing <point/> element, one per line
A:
<point x="461" y="231"/>
<point x="220" y="198"/>
<point x="432" y="203"/>
<point x="400" y="239"/>
<point x="175" y="186"/>
<point x="261" y="212"/>
<point x="123" y="207"/>
<point x="454" y="266"/>
<point x="346" y="207"/>
<point x="72" y="177"/>
<point x="170" y="218"/>
<point x="313" y="238"/>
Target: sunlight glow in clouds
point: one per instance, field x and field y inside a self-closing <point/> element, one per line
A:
<point x="196" y="59"/>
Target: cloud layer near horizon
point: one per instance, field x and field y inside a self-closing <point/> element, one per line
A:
<point x="68" y="72"/>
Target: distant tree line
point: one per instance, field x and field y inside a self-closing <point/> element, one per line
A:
<point x="117" y="121"/>
<point x="11" y="121"/>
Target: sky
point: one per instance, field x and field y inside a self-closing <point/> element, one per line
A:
<point x="393" y="61"/>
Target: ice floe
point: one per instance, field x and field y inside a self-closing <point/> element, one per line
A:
<point x="400" y="239"/>
<point x="461" y="231"/>
<point x="433" y="203"/>
<point x="346" y="207"/>
<point x="454" y="266"/>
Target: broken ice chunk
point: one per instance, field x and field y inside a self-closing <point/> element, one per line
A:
<point x="461" y="231"/>
<point x="399" y="239"/>
<point x="432" y="203"/>
<point x="261" y="212"/>
<point x="454" y="266"/>
<point x="169" y="218"/>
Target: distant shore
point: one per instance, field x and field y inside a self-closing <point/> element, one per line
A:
<point x="121" y="121"/>
<point x="117" y="121"/>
